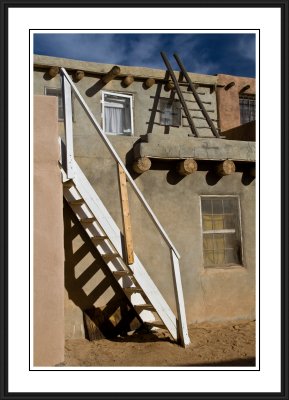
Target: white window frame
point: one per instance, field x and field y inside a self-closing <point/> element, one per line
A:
<point x="225" y="266"/>
<point x="105" y="104"/>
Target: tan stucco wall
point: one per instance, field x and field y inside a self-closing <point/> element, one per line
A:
<point x="228" y="100"/>
<point x="48" y="237"/>
<point x="210" y="294"/>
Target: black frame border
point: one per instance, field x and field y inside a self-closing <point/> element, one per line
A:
<point x="5" y="5"/>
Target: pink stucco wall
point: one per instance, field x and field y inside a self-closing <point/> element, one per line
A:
<point x="48" y="265"/>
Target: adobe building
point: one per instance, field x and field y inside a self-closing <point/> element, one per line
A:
<point x="197" y="175"/>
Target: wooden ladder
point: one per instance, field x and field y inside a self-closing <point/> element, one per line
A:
<point x="197" y="98"/>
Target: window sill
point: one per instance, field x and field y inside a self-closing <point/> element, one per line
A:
<point x="222" y="268"/>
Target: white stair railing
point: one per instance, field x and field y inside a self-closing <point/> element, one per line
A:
<point x="67" y="87"/>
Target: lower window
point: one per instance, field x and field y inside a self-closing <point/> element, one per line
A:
<point x="221" y="228"/>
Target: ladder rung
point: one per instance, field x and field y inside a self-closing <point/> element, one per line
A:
<point x="120" y="274"/>
<point x="189" y="91"/>
<point x="68" y="183"/>
<point x="89" y="220"/>
<point x="99" y="238"/>
<point x="196" y="117"/>
<point x="141" y="307"/>
<point x="76" y="202"/>
<point x="156" y="324"/>
<point x="194" y="101"/>
<point x="109" y="256"/>
<point x="130" y="290"/>
<point x="198" y="109"/>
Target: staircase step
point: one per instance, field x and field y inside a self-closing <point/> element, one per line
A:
<point x="141" y="307"/>
<point x="130" y="290"/>
<point x="68" y="183"/>
<point x="109" y="256"/>
<point x="155" y="324"/>
<point x="98" y="239"/>
<point x="77" y="202"/>
<point x="88" y="220"/>
<point x="120" y="274"/>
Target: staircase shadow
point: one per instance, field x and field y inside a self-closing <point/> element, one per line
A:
<point x="143" y="337"/>
<point x="91" y="286"/>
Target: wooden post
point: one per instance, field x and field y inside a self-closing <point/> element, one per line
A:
<point x="244" y="88"/>
<point x="126" y="221"/>
<point x="187" y="167"/>
<point x="229" y="85"/>
<point x="66" y="91"/>
<point x="182" y="321"/>
<point x="53" y="71"/>
<point x="128" y="80"/>
<point x="169" y="86"/>
<point x="141" y="165"/>
<point x="226" y="167"/>
<point x="78" y="75"/>
<point x="111" y="74"/>
<point x="149" y="82"/>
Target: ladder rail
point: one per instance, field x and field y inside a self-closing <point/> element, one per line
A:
<point x="118" y="160"/>
<point x="198" y="100"/>
<point x="180" y="94"/>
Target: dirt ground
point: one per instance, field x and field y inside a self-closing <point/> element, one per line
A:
<point x="212" y="344"/>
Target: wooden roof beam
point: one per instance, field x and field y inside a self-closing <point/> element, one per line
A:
<point x="114" y="72"/>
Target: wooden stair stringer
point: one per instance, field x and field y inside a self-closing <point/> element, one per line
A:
<point x="137" y="269"/>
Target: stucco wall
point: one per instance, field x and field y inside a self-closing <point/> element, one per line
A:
<point x="48" y="237"/>
<point x="146" y="109"/>
<point x="228" y="99"/>
<point x="210" y="294"/>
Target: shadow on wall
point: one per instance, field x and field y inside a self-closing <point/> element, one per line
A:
<point x="89" y="281"/>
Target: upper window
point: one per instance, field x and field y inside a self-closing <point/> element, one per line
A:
<point x="117" y="113"/>
<point x="221" y="231"/>
<point x="247" y="108"/>
<point x="58" y="93"/>
<point x="170" y="112"/>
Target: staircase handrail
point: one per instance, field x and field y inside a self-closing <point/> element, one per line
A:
<point x="66" y="81"/>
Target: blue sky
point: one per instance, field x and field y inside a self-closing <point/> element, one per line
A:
<point x="205" y="53"/>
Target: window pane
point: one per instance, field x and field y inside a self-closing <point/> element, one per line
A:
<point x="232" y="257"/>
<point x="219" y="257"/>
<point x="217" y="206"/>
<point x="208" y="242"/>
<point x="220" y="246"/>
<point x="206" y="206"/>
<point x="170" y="112"/>
<point x="218" y="222"/>
<point x="229" y="221"/>
<point x="247" y="108"/>
<point x="209" y="257"/>
<point x="207" y="223"/>
<point x="231" y="241"/>
<point x="219" y="241"/>
<point x="117" y="114"/>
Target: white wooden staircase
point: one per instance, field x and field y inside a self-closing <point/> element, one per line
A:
<point x="108" y="239"/>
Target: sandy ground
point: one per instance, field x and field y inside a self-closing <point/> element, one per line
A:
<point x="212" y="344"/>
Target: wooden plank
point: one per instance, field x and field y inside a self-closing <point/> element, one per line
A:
<point x="66" y="95"/>
<point x="126" y="220"/>
<point x="182" y="321"/>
